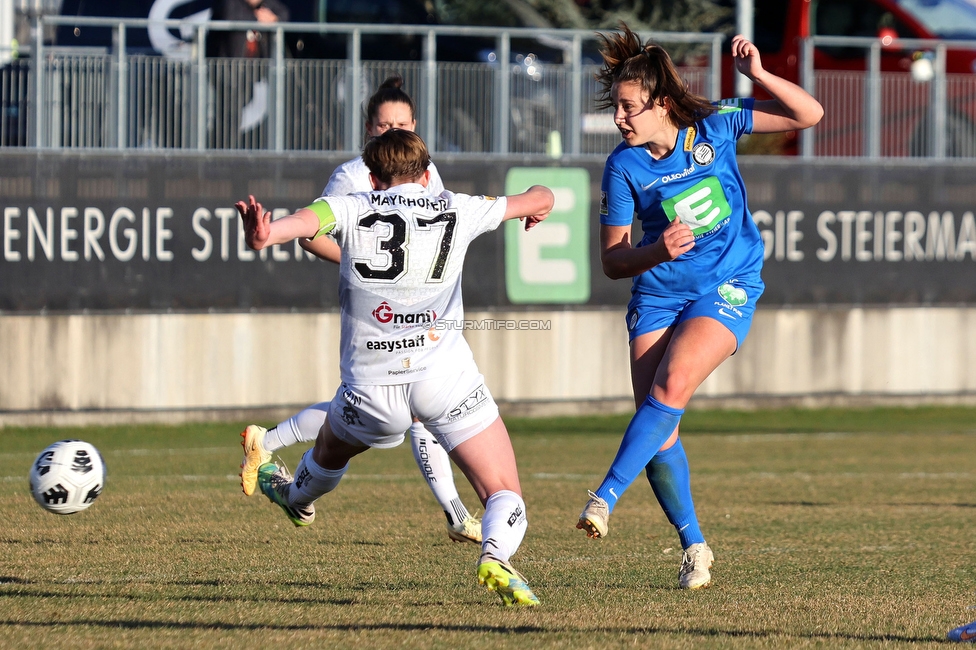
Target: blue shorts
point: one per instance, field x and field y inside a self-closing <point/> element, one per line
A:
<point x="732" y="303"/>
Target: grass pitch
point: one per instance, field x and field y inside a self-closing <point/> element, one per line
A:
<point x="839" y="529"/>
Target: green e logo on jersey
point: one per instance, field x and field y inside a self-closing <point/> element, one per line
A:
<point x="701" y="206"/>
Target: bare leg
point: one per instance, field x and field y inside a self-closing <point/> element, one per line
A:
<point x="488" y="461"/>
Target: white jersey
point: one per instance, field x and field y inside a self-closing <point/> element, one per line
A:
<point x="353" y="176"/>
<point x="400" y="280"/>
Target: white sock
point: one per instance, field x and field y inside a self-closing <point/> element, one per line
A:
<point x="312" y="481"/>
<point x="435" y="465"/>
<point x="302" y="427"/>
<point x="503" y="526"/>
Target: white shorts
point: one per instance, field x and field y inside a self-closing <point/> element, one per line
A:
<point x="454" y="408"/>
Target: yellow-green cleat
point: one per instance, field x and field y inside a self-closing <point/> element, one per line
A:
<point x="509" y="584"/>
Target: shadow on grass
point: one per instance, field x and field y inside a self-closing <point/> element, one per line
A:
<point x="500" y="629"/>
<point x="911" y="504"/>
<point x="157" y="598"/>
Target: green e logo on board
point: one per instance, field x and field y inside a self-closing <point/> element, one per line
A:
<point x="551" y="262"/>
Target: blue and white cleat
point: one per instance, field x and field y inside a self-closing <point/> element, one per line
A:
<point x="963" y="633"/>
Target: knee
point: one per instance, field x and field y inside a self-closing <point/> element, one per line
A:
<point x="674" y="389"/>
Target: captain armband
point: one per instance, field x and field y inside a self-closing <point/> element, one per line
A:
<point x="327" y="221"/>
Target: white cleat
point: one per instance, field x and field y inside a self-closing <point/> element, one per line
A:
<point x="695" y="564"/>
<point x="468" y="530"/>
<point x="595" y="516"/>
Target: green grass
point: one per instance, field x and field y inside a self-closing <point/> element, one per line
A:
<point x="837" y="529"/>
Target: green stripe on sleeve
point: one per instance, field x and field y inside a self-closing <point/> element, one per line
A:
<point x="327" y="221"/>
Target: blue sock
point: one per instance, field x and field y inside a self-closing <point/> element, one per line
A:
<point x="670" y="479"/>
<point x="648" y="429"/>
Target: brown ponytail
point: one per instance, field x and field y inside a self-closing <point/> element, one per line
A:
<point x="625" y="58"/>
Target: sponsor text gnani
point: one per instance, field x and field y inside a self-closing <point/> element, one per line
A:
<point x="385" y="314"/>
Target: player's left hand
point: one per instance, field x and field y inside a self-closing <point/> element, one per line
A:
<point x="746" y="56"/>
<point x="530" y="222"/>
<point x="257" y="223"/>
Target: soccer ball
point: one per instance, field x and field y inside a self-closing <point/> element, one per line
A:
<point x="67" y="477"/>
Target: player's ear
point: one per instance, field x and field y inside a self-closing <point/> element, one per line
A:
<point x="373" y="180"/>
<point x="425" y="179"/>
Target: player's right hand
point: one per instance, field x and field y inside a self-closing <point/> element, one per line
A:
<point x="257" y="223"/>
<point x="676" y="239"/>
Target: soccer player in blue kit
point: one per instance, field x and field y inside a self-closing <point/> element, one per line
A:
<point x="697" y="268"/>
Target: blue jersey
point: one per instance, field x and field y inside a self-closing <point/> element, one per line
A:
<point x="699" y="182"/>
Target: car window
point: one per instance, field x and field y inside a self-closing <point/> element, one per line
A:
<point x="769" y="25"/>
<point x="850" y="18"/>
<point x="855" y="18"/>
<point x="949" y="19"/>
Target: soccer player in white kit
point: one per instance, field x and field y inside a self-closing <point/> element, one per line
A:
<point x="403" y="250"/>
<point x="389" y="107"/>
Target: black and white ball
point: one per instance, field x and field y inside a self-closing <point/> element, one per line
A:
<point x="67" y="477"/>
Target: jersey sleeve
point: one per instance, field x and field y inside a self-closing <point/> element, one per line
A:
<point x="478" y="214"/>
<point x="733" y="119"/>
<point x="617" y="198"/>
<point x="348" y="178"/>
<point x="340" y="184"/>
<point x="335" y="214"/>
<point x="327" y="218"/>
<point x="436" y="185"/>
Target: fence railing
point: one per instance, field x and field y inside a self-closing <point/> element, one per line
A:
<point x="540" y="102"/>
<point x="64" y="97"/>
<point x="917" y="111"/>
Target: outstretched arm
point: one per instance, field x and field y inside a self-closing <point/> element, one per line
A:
<point x="260" y="231"/>
<point x="790" y="108"/>
<point x="533" y="205"/>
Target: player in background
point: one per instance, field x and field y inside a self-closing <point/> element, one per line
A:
<point x="389" y="107"/>
<point x="406" y="247"/>
<point x="697" y="268"/>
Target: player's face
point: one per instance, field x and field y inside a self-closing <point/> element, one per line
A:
<point x="639" y="120"/>
<point x="391" y="115"/>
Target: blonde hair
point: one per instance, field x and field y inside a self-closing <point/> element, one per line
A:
<point x="396" y="155"/>
<point x="625" y="58"/>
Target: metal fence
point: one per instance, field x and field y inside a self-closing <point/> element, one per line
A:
<point x="65" y="97"/>
<point x="918" y="112"/>
<point x="112" y="97"/>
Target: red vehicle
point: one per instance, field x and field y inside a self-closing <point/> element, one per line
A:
<point x="906" y="98"/>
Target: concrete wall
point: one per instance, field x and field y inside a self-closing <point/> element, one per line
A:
<point x="76" y="369"/>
